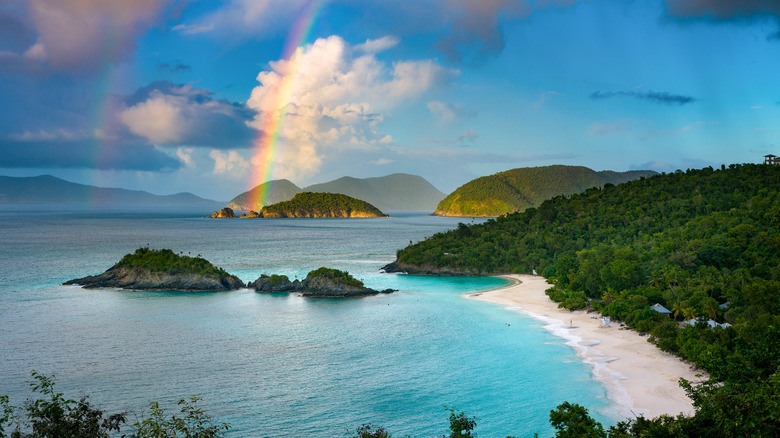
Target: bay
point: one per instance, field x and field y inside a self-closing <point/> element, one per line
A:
<point x="275" y="365"/>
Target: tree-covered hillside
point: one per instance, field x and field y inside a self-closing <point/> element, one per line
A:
<point x="518" y="189"/>
<point x="320" y="205"/>
<point x="703" y="243"/>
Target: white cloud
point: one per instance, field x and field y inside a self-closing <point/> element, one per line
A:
<point x="230" y="163"/>
<point x="446" y="112"/>
<point x="185" y="155"/>
<point x="193" y="29"/>
<point x="168" y="114"/>
<point x="378" y="45"/>
<point x="159" y="119"/>
<point x="248" y="18"/>
<point x="36" y="52"/>
<point x="334" y="99"/>
<point x="382" y="161"/>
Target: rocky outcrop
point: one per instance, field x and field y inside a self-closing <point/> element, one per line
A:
<point x="427" y="270"/>
<point x="319" y="283"/>
<point x="251" y="214"/>
<point x="139" y="278"/>
<point x="225" y="213"/>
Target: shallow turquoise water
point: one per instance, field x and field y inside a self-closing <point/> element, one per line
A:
<point x="276" y="365"/>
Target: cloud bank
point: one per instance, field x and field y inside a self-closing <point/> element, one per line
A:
<point x="335" y="97"/>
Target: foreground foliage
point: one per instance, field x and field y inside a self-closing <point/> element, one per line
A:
<point x="54" y="416"/>
<point x="703" y="243"/>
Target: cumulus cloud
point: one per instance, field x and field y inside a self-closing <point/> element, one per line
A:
<point x="332" y="96"/>
<point x="168" y="114"/>
<point x="657" y="97"/>
<point x="230" y="163"/>
<point x="79" y="35"/>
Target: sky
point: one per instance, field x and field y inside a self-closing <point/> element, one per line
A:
<point x="215" y="97"/>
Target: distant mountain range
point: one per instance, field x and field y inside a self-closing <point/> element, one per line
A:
<point x="398" y="191"/>
<point x="48" y="189"/>
<point x="519" y="189"/>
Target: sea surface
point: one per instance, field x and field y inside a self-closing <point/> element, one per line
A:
<point x="275" y="365"/>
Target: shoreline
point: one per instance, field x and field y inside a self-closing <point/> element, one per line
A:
<point x="640" y="378"/>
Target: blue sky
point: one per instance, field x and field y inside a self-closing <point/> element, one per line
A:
<point x="170" y="96"/>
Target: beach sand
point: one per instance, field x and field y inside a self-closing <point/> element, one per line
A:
<point x="640" y="378"/>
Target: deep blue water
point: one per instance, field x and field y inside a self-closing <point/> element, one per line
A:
<point x="275" y="365"/>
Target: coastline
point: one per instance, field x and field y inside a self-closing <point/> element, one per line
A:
<point x="640" y="378"/>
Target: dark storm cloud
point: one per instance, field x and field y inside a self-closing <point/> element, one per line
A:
<point x="726" y="11"/>
<point x="723" y="9"/>
<point x="657" y="97"/>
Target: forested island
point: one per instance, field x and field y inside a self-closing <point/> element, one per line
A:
<point x="526" y="187"/>
<point x="703" y="243"/>
<point x="322" y="283"/>
<point x="311" y="205"/>
<point x="161" y="269"/>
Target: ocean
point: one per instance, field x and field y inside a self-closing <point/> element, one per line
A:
<point x="275" y="365"/>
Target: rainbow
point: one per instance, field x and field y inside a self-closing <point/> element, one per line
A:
<point x="267" y="141"/>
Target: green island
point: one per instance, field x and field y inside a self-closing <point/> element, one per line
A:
<point x="519" y="189"/>
<point x="703" y="243"/>
<point x="322" y="282"/>
<point x="161" y="269"/>
<point x="310" y="205"/>
<point x="321" y="205"/>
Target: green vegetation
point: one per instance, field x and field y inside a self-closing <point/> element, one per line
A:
<point x="275" y="191"/>
<point x="519" y="189"/>
<point x="54" y="416"/>
<point x="336" y="276"/>
<point x="165" y="260"/>
<point x="703" y="243"/>
<point x="275" y="279"/>
<point x="308" y="204"/>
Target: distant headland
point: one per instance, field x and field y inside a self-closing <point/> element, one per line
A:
<point x="526" y="187"/>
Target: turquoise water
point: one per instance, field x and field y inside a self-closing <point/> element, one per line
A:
<point x="275" y="365"/>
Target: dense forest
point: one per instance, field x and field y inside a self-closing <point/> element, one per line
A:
<point x="165" y="260"/>
<point x="309" y="205"/>
<point x="703" y="243"/>
<point x="518" y="189"/>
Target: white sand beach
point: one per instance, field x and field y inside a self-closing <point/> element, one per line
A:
<point x="640" y="378"/>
